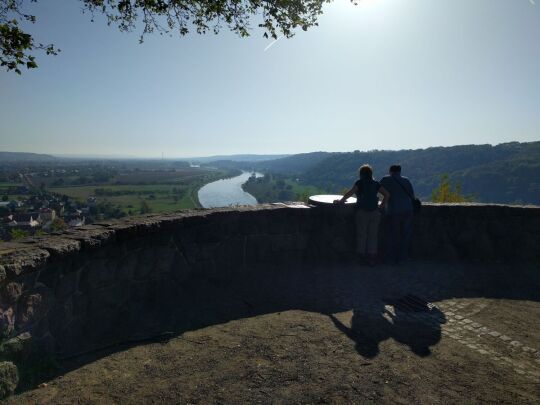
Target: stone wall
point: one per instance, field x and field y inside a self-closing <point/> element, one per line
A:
<point x="121" y="281"/>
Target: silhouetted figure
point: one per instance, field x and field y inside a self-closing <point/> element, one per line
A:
<point x="399" y="214"/>
<point x="367" y="215"/>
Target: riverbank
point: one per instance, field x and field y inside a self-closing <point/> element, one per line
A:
<point x="276" y="188"/>
<point x="227" y="192"/>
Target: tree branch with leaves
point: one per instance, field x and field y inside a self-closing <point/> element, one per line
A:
<point x="16" y="46"/>
<point x="275" y="17"/>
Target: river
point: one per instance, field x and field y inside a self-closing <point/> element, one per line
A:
<point x="226" y="192"/>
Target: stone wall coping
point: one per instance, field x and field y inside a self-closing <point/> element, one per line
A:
<point x="31" y="253"/>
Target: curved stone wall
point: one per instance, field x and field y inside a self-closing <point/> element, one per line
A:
<point x="121" y="281"/>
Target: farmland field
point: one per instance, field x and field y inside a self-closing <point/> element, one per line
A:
<point x="7" y="188"/>
<point x="159" y="176"/>
<point x="169" y="190"/>
<point x="7" y="185"/>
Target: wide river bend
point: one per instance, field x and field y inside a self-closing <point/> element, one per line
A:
<point x="226" y="192"/>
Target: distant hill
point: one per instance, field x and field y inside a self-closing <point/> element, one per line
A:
<point x="24" y="157"/>
<point x="505" y="173"/>
<point x="290" y="164"/>
<point x="235" y="158"/>
<point x="293" y="164"/>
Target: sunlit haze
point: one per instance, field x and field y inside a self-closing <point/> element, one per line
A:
<point x="385" y="74"/>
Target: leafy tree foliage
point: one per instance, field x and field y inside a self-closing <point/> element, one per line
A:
<point x="164" y="16"/>
<point x="277" y="187"/>
<point x="295" y="164"/>
<point x="17" y="46"/>
<point x="145" y="208"/>
<point x="446" y="192"/>
<point x="105" y="209"/>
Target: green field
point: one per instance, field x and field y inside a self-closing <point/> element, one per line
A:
<point x="180" y="193"/>
<point x="160" y="198"/>
<point x="8" y="184"/>
<point x="83" y="192"/>
<point x="4" y="187"/>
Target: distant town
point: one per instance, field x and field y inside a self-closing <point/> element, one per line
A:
<point x="52" y="195"/>
<point x="41" y="213"/>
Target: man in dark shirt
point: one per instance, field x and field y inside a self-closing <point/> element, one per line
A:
<point x="399" y="213"/>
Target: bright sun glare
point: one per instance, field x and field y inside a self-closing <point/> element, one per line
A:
<point x="369" y="11"/>
<point x="347" y="4"/>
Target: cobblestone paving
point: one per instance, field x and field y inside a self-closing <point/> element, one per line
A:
<point x="456" y="319"/>
<point x="505" y="350"/>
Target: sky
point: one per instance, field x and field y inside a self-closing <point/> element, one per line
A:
<point x="385" y="74"/>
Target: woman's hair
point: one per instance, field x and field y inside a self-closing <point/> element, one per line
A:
<point x="365" y="172"/>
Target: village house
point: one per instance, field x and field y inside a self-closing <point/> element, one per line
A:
<point x="57" y="206"/>
<point x="11" y="204"/>
<point x="7" y="219"/>
<point x="46" y="216"/>
<point x="75" y="219"/>
<point x="27" y="220"/>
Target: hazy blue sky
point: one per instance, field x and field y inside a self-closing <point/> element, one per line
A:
<point x="386" y="74"/>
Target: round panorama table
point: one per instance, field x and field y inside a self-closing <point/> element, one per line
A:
<point x="328" y="199"/>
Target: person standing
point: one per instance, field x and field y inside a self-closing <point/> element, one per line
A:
<point x="367" y="215"/>
<point x="399" y="211"/>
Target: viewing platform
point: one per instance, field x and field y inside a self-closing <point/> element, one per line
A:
<point x="267" y="304"/>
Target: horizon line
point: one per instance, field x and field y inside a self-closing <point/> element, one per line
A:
<point x="158" y="157"/>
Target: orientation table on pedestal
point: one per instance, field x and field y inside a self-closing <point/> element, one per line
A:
<point x="328" y="199"/>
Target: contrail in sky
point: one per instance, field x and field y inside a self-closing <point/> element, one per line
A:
<point x="272" y="43"/>
<point x="532" y="2"/>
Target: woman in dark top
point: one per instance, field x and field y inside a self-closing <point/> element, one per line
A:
<point x="367" y="214"/>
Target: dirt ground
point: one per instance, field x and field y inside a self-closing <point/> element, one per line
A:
<point x="477" y="344"/>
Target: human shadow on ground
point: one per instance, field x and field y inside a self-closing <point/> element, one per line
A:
<point x="419" y="329"/>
